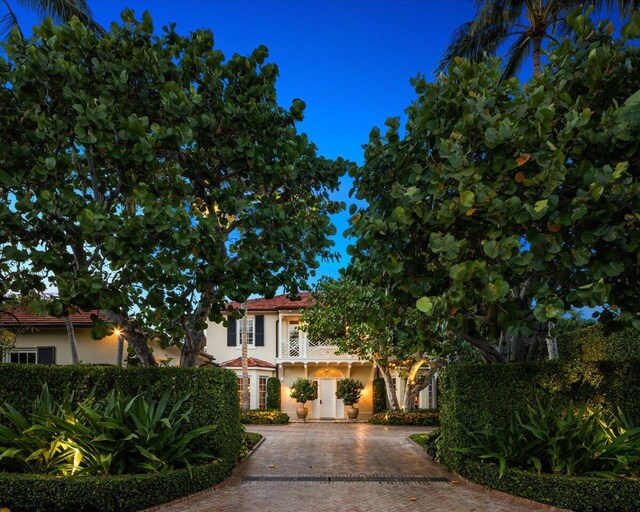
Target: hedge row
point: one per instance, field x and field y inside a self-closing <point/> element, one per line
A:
<point x="580" y="494"/>
<point x="121" y="493"/>
<point x="273" y="393"/>
<point x="379" y="395"/>
<point x="418" y="417"/>
<point x="478" y="397"/>
<point x="213" y="394"/>
<point x="264" y="417"/>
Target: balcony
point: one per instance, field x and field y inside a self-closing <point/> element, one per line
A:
<point x="295" y="346"/>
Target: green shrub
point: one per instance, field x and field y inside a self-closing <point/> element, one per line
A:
<point x="417" y="417"/>
<point x="563" y="439"/>
<point x="477" y="397"/>
<point x="273" y="393"/>
<point x="303" y="390"/>
<point x="428" y="441"/>
<point x="114" y="435"/>
<point x="580" y="494"/>
<point x="252" y="439"/>
<point x="123" y="493"/>
<point x="349" y="391"/>
<point x="264" y="417"/>
<point x="595" y="342"/>
<point x="379" y="395"/>
<point x="213" y="395"/>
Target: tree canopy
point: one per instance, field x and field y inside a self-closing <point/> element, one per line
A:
<point x="504" y="206"/>
<point x="151" y="178"/>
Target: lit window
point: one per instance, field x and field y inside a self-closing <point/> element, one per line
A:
<point x="249" y="332"/>
<point x="262" y="392"/>
<point x="240" y="388"/>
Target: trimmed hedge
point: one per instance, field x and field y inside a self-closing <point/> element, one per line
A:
<point x="264" y="417"/>
<point x="479" y="397"/>
<point x="379" y="395"/>
<point x="418" y="417"/>
<point x="214" y="393"/>
<point x="122" y="493"/>
<point x="580" y="494"/>
<point x="597" y="343"/>
<point x="482" y="396"/>
<point x="273" y="393"/>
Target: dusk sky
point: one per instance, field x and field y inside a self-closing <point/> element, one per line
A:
<point x="350" y="61"/>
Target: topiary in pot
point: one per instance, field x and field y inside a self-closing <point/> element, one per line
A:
<point x="349" y="391"/>
<point x="302" y="390"/>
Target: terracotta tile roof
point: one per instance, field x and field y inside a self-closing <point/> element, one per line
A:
<point x="252" y="362"/>
<point x="276" y="303"/>
<point x="23" y="317"/>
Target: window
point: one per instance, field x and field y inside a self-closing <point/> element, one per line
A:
<point x="262" y="392"/>
<point x="23" y="356"/>
<point x="250" y="338"/>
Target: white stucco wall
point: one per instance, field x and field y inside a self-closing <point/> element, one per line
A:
<point x="217" y="341"/>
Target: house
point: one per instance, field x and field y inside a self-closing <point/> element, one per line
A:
<point x="278" y="347"/>
<point x="42" y="339"/>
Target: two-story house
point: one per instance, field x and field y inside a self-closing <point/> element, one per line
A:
<point x="279" y="348"/>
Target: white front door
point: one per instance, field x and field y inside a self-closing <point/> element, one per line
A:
<point x="327" y="398"/>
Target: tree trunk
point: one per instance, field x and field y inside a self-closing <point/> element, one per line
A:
<point x="537" y="51"/>
<point x="245" y="362"/>
<point x="416" y="384"/>
<point x="134" y="335"/>
<point x="552" y="345"/>
<point x="490" y="353"/>
<point x="120" y="353"/>
<point x="72" y="339"/>
<point x="194" y="343"/>
<point x="392" y="398"/>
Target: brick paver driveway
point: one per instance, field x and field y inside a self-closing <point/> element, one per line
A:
<point x="324" y="457"/>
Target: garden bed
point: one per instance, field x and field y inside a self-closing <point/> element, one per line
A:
<point x="122" y="493"/>
<point x="418" y="417"/>
<point x="264" y="417"/>
<point x="580" y="494"/>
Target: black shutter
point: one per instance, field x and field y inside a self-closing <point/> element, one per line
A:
<point x="46" y="355"/>
<point x="259" y="330"/>
<point x="231" y="332"/>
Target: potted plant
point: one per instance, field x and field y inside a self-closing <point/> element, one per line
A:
<point x="302" y="390"/>
<point x="349" y="391"/>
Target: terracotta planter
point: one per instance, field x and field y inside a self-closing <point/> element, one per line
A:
<point x="302" y="412"/>
<point x="352" y="412"/>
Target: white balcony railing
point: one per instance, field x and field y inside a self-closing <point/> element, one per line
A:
<point x="296" y="345"/>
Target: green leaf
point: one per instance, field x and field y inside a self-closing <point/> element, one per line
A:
<point x="425" y="305"/>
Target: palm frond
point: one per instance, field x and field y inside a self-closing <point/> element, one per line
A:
<point x="484" y="34"/>
<point x="515" y="56"/>
<point x="64" y="10"/>
<point x="8" y="22"/>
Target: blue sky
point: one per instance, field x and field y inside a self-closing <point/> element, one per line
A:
<point x="350" y="61"/>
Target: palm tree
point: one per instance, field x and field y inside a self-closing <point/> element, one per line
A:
<point x="245" y="360"/>
<point x="59" y="10"/>
<point x="531" y="22"/>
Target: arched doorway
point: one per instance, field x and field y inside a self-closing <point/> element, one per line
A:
<point x="327" y="406"/>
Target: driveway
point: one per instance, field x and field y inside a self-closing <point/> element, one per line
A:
<point x="340" y="466"/>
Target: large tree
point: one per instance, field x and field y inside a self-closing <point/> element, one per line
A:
<point x="502" y="207"/>
<point x="149" y="178"/>
<point x="365" y="321"/>
<point x="524" y="24"/>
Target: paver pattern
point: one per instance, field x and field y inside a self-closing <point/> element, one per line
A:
<point x="347" y="450"/>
